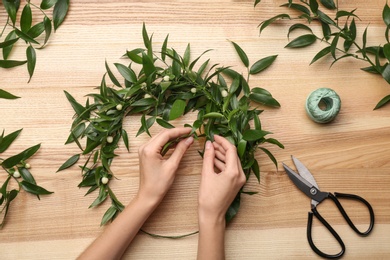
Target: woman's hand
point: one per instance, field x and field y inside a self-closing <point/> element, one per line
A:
<point x="222" y="178"/>
<point x="157" y="173"/>
<point x="219" y="188"/>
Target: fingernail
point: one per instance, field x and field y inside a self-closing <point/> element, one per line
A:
<point x="208" y="144"/>
<point x="189" y="140"/>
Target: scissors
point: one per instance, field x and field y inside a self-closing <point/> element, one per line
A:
<point x="307" y="184"/>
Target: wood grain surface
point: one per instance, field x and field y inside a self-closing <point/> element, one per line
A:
<point x="349" y="155"/>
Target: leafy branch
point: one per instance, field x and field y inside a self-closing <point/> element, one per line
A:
<point x="167" y="86"/>
<point x="28" y="32"/>
<point x="340" y="30"/>
<point x="16" y="167"/>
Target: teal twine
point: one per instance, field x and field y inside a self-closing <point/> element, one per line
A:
<point x="323" y="105"/>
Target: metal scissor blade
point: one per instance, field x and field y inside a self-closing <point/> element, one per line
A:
<point x="305" y="186"/>
<point x="304" y="172"/>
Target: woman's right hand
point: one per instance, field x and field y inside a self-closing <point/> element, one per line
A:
<point x="219" y="188"/>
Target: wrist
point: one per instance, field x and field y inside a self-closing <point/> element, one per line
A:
<point x="211" y="220"/>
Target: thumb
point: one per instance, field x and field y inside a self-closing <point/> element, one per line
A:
<point x="208" y="157"/>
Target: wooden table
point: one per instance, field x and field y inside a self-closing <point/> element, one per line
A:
<point x="348" y="155"/>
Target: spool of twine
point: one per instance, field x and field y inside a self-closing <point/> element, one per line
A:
<point x="323" y="105"/>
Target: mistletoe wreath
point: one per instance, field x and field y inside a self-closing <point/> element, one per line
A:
<point x="167" y="87"/>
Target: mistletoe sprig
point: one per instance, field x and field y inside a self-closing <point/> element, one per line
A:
<point x="28" y="32"/>
<point x="340" y="30"/>
<point x="166" y="87"/>
<point x="16" y="168"/>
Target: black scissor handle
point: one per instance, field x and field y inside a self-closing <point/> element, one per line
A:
<point x="345" y="215"/>
<point x="331" y="230"/>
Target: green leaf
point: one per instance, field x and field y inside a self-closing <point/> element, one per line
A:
<point x="241" y="148"/>
<point x="256" y="170"/>
<point x="326" y="31"/>
<point x="343" y="13"/>
<point x="386" y="51"/>
<point x="12" y="161"/>
<point x="186" y="56"/>
<point x="164" y="123"/>
<point x="298" y="26"/>
<point x="264" y="99"/>
<point x="109" y="215"/>
<point x="328" y="4"/>
<point x="164" y="48"/>
<point x="7" y="49"/>
<point x="233" y="209"/>
<point x="145" y="37"/>
<point x="386" y="15"/>
<point x="126" y="72"/>
<point x="103" y="194"/>
<point x="262" y="64"/>
<point x="146" y="124"/>
<point x="59" y="12"/>
<point x="7" y="140"/>
<point x="177" y="109"/>
<point x="266" y="23"/>
<point x="36" y="30"/>
<point x="31" y="60"/>
<point x="383" y="102"/>
<point x="313" y="6"/>
<point x="11" y="63"/>
<point x="134" y="55"/>
<point x="12" y="6"/>
<point x="325" y="18"/>
<point x="125" y="138"/>
<point x="77" y="107"/>
<point x="25" y="36"/>
<point x="254" y="135"/>
<point x="111" y="75"/>
<point x="144" y="102"/>
<point x="320" y="54"/>
<point x="34" y="189"/>
<point x="257" y="2"/>
<point x="46" y="4"/>
<point x="275" y="142"/>
<point x="71" y="161"/>
<point x="213" y="115"/>
<point x="8" y="42"/>
<point x="26" y="18"/>
<point x="6" y="95"/>
<point x="302" y="41"/>
<point x="148" y="65"/>
<point x="386" y="73"/>
<point x="241" y="54"/>
<point x="270" y="155"/>
<point x="48" y="28"/>
<point x="26" y="175"/>
<point x="298" y="7"/>
<point x="333" y="45"/>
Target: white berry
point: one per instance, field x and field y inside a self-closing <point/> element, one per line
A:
<point x="166" y="78"/>
<point x="147" y="96"/>
<point x="110" y="139"/>
<point x="193" y="90"/>
<point x="104" y="180"/>
<point x="27" y="166"/>
<point x="119" y="107"/>
<point x="224" y="93"/>
<point x="16" y="174"/>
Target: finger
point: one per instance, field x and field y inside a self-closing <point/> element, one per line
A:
<point x="219" y="148"/>
<point x="180" y="149"/>
<point x="220" y="156"/>
<point x="219" y="165"/>
<point x="230" y="151"/>
<point x="208" y="157"/>
<point x="165" y="136"/>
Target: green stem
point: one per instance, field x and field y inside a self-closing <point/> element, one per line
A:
<point x="5" y="26"/>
